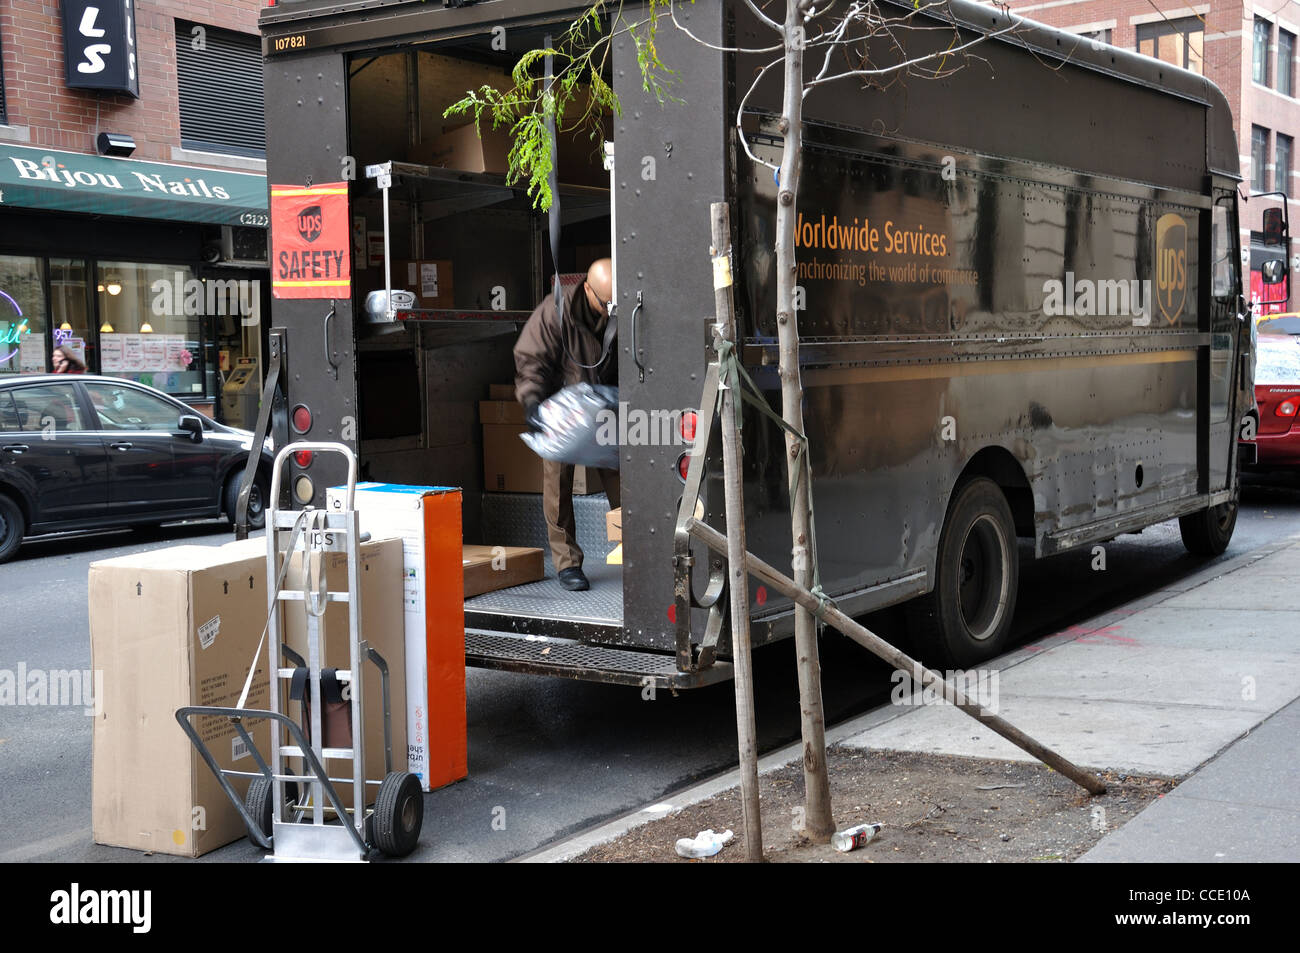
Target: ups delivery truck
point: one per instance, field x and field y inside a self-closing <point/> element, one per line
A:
<point x="1022" y="313"/>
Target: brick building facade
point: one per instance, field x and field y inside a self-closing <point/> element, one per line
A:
<point x="88" y="229"/>
<point x="1249" y="51"/>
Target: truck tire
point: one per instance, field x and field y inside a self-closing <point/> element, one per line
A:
<point x="256" y="499"/>
<point x="12" y="527"/>
<point x="1207" y="532"/>
<point x="966" y="618"/>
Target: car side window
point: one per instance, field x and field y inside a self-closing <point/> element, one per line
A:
<point x="9" y="422"/>
<point x="125" y="408"/>
<point x="45" y="408"/>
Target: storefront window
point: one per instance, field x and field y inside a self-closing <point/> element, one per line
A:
<point x="150" y="325"/>
<point x="22" y="316"/>
<point x="70" y="316"/>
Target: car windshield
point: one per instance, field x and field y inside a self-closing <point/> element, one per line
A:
<point x="1277" y="360"/>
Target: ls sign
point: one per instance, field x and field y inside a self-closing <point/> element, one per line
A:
<point x="99" y="45"/>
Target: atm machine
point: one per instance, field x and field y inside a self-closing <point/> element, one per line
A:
<point x="241" y="394"/>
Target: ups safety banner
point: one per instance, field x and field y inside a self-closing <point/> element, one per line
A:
<point x="311" y="241"/>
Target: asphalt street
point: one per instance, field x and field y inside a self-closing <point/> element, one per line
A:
<point x="548" y="757"/>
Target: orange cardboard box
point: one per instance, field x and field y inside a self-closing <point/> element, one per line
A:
<point x="428" y="520"/>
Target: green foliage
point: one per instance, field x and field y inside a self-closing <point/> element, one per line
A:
<point x="579" y="97"/>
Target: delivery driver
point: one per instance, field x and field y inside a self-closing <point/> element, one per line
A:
<point x="549" y="356"/>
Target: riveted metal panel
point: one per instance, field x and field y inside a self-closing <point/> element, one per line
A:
<point x="670" y="164"/>
<point x="306" y="116"/>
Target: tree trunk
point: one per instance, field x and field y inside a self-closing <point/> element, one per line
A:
<point x="819" y="824"/>
<point x="737" y="579"/>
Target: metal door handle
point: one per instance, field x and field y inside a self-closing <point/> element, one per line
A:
<point x="121" y="446"/>
<point x="636" y="342"/>
<point x="15" y="447"/>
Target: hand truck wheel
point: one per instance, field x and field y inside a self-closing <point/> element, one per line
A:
<point x="259" y="804"/>
<point x="399" y="814"/>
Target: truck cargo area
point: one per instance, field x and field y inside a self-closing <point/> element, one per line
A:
<point x="477" y="256"/>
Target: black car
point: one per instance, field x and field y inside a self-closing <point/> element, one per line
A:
<point x="90" y="452"/>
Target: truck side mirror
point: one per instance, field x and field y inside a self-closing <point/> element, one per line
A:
<point x="1274" y="229"/>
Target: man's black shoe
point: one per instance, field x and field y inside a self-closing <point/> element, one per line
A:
<point x="573" y="579"/>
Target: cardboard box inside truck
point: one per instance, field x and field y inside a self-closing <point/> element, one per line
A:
<point x="509" y="466"/>
<point x="488" y="568"/>
<point x="172" y="628"/>
<point x="464" y="150"/>
<point x="431" y="280"/>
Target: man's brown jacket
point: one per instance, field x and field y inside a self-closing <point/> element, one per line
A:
<point x="545" y="362"/>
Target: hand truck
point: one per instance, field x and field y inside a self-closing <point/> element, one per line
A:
<point x="348" y="834"/>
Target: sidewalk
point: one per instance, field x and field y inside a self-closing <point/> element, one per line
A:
<point x="1199" y="680"/>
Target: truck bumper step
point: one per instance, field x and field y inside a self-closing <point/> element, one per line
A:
<point x="537" y="655"/>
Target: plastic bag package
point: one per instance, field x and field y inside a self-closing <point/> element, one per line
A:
<point x="571" y="425"/>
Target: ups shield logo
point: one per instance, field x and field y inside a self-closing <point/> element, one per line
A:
<point x="1171" y="266"/>
<point x="309" y="223"/>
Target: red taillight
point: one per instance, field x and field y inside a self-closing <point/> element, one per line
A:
<point x="303" y="458"/>
<point x="1288" y="407"/>
<point x="301" y="418"/>
<point x="686" y="426"/>
<point x="683" y="466"/>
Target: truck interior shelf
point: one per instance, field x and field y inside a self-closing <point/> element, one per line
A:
<point x="444" y="192"/>
<point x="459" y="317"/>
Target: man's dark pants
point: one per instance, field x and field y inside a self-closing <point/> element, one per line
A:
<point x="557" y="504"/>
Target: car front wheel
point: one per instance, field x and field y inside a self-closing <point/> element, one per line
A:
<point x="256" y="499"/>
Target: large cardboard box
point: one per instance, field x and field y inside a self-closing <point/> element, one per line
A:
<point x="509" y="466"/>
<point x="614" y="525"/>
<point x="465" y="150"/>
<point x="172" y="628"/>
<point x="430" y="279"/>
<point x="488" y="568"/>
<point x="428" y="521"/>
<point x="381" y="625"/>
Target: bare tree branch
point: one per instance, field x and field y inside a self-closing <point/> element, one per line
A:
<point x="740" y="113"/>
<point x="764" y="17"/>
<point x="672" y="12"/>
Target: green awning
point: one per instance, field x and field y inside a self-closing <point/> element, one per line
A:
<point x="98" y="185"/>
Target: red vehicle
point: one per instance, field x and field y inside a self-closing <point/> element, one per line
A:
<point x="1277" y="391"/>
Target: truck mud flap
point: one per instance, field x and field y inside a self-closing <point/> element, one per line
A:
<point x="565" y="658"/>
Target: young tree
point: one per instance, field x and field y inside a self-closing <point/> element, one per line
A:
<point x="861" y="41"/>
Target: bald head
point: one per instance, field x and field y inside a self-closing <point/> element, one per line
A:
<point x="600" y="282"/>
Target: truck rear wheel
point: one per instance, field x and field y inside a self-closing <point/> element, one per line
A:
<point x="1207" y="532"/>
<point x="966" y="618"/>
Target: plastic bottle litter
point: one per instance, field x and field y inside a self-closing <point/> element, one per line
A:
<point x="854" y="837"/>
<point x="704" y="844"/>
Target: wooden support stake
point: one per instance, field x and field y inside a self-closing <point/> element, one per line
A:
<point x="734" y="544"/>
<point x="711" y="538"/>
